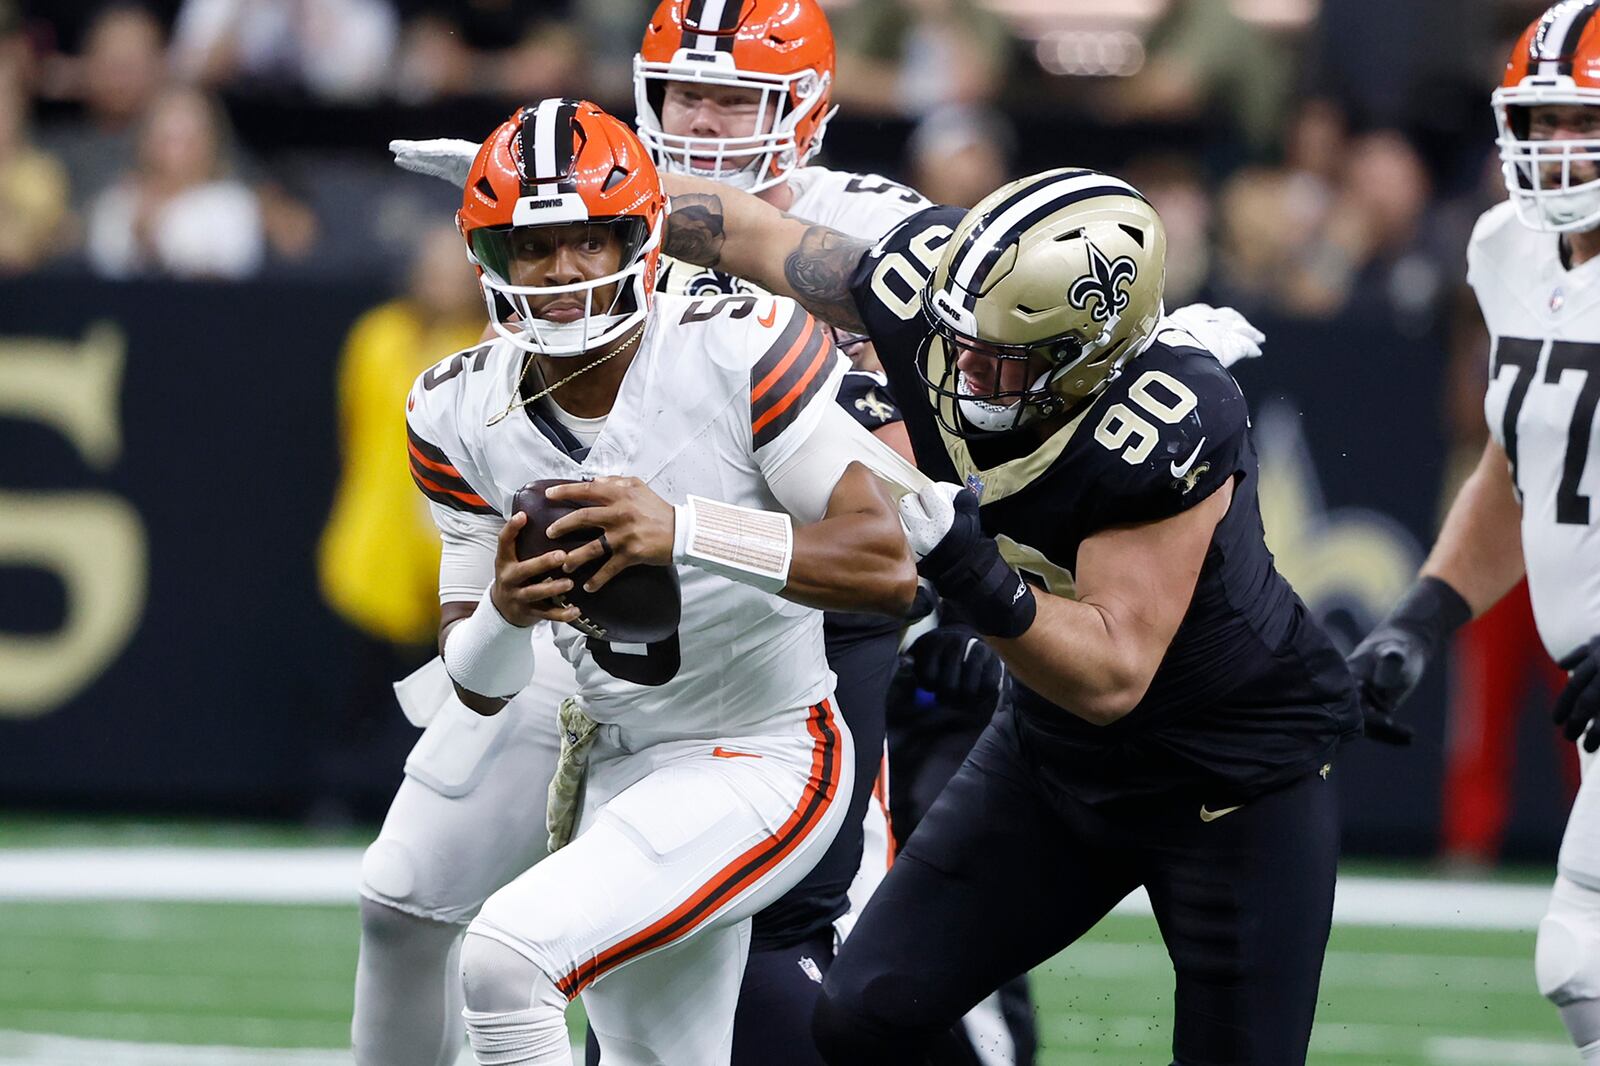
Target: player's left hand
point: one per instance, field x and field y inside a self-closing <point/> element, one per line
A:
<point x="1579" y="703"/>
<point x="963" y="562"/>
<point x="636" y="525"/>
<point x="442" y="157"/>
<point x="1224" y="332"/>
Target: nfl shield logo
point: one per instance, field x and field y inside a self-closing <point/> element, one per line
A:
<point x="975" y="483"/>
<point x="1557" y="298"/>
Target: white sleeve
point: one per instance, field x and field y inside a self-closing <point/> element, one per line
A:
<point x="803" y="479"/>
<point x="466" y="564"/>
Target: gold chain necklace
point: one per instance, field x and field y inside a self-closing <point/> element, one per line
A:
<point x="515" y="403"/>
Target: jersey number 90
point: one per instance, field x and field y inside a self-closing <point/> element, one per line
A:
<point x="1156" y="393"/>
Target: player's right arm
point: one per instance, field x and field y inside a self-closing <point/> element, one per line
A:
<point x="488" y="597"/>
<point x="1476" y="560"/>
<point x="714" y="226"/>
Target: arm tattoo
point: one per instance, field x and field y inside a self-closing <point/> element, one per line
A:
<point x="819" y="273"/>
<point x="694" y="229"/>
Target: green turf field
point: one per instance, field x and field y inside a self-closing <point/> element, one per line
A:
<point x="280" y="976"/>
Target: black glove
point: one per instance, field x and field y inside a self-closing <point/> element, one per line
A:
<point x="1579" y="703"/>
<point x="954" y="664"/>
<point x="1388" y="664"/>
<point x="965" y="568"/>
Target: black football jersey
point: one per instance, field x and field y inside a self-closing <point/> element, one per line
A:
<point x="1251" y="693"/>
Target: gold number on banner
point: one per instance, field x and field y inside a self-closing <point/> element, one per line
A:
<point x="93" y="542"/>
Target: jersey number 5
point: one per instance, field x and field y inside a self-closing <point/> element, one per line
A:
<point x="1159" y="395"/>
<point x="1522" y="355"/>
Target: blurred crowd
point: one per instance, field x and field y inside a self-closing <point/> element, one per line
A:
<point x="1295" y="166"/>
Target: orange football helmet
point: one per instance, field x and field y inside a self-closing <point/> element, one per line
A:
<point x="555" y="164"/>
<point x="1555" y="61"/>
<point x="781" y="48"/>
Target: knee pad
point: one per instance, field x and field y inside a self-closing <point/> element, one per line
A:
<point x="498" y="978"/>
<point x="514" y="1013"/>
<point x="388" y="873"/>
<point x="392" y="876"/>
<point x="1566" y="960"/>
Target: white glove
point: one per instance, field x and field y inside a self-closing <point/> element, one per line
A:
<point x="442" y="157"/>
<point x="1224" y="332"/>
<point x="928" y="515"/>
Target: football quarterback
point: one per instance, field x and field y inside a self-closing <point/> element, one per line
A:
<point x="1178" y="711"/>
<point x="703" y="774"/>
<point x="740" y="93"/>
<point x="1527" y="508"/>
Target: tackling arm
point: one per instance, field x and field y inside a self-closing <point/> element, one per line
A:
<point x="1095" y="656"/>
<point x="714" y="226"/>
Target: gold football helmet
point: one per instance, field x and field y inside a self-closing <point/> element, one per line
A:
<point x="1061" y="272"/>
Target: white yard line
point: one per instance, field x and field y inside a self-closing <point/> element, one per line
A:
<point x="1482" y="1051"/>
<point x="333" y="874"/>
<point x="28" y="1049"/>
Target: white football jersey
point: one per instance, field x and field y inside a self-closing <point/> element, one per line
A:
<point x="1544" y="379"/>
<point x="859" y="205"/>
<point x="721" y="390"/>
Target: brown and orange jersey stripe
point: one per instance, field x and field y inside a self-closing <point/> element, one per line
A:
<point x="438" y="478"/>
<point x="788" y="375"/>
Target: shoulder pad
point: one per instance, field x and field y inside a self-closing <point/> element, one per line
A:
<point x="1170" y="430"/>
<point x="438" y="409"/>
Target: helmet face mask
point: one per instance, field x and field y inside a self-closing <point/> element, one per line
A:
<point x="1061" y="272"/>
<point x="564" y="178"/>
<point x="603" y="306"/>
<point x="1017" y="391"/>
<point x="1553" y="182"/>
<point x="781" y="51"/>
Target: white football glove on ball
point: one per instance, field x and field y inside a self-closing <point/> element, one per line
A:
<point x="1224" y="332"/>
<point x="448" y="158"/>
<point x="928" y="515"/>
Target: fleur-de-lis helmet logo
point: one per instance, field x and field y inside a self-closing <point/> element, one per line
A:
<point x="1106" y="285"/>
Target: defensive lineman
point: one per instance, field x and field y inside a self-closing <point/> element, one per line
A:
<point x="1528" y="507"/>
<point x="716" y="766"/>
<point x="1178" y="711"/>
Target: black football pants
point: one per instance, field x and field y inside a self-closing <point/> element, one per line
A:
<point x="1000" y="877"/>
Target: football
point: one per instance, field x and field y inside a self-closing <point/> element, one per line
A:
<point x="641" y="605"/>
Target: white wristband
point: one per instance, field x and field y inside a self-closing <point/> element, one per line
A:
<point x="485" y="654"/>
<point x="740" y="543"/>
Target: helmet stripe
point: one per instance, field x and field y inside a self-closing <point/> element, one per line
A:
<point x="1007" y="225"/>
<point x="1556" y="40"/>
<point x="552" y="148"/>
<point x="1026" y="187"/>
<point x="714" y="21"/>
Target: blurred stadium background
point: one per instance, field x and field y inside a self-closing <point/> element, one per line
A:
<point x="215" y="289"/>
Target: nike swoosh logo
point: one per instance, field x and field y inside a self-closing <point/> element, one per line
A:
<point x="723" y="753"/>
<point x="1180" y="471"/>
<point x="770" y="317"/>
<point x="1207" y="815"/>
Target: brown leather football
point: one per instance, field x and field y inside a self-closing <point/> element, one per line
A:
<point x="641" y="605"/>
